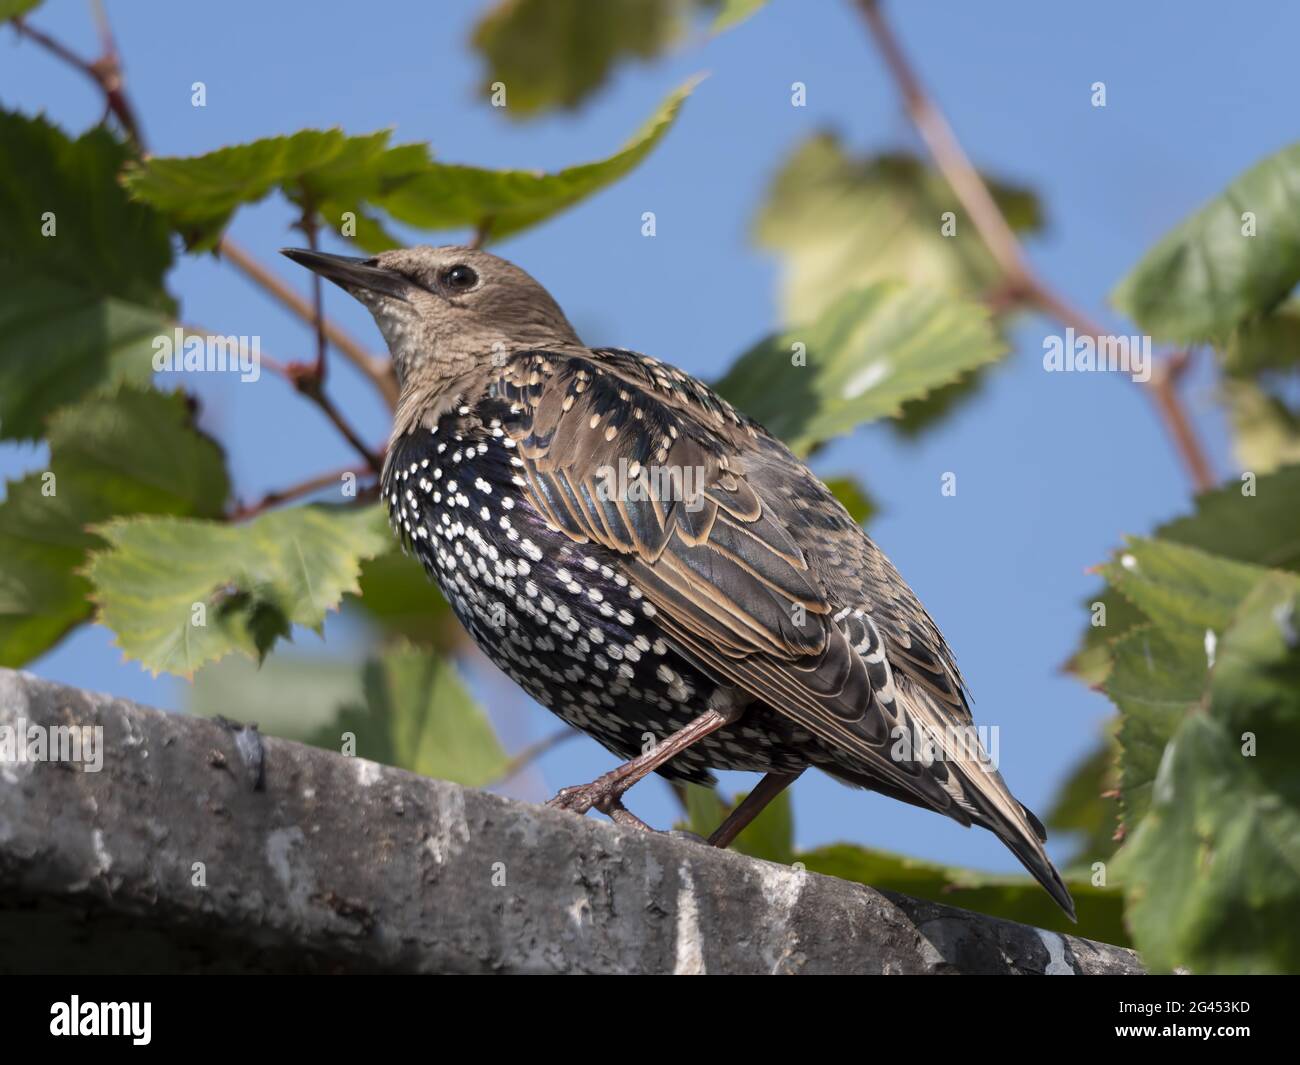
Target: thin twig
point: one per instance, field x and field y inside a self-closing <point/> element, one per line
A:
<point x="1020" y="279"/>
<point x="531" y="753"/>
<point x="310" y="226"/>
<point x="105" y="72"/>
<point x="377" y="370"/>
<point x="295" y="491"/>
<point x="302" y="376"/>
<point x="481" y="233"/>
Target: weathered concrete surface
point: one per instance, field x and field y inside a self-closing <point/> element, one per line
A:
<point x="340" y="864"/>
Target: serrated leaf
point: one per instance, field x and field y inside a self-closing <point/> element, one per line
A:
<point x="325" y="169"/>
<point x="841" y="223"/>
<point x="1157" y="676"/>
<point x="1159" y="670"/>
<point x="130" y="452"/>
<point x="1262" y="528"/>
<point x="1015" y="898"/>
<point x="419" y="716"/>
<point x="333" y="172"/>
<point x="1206" y="276"/>
<point x="179" y="593"/>
<point x="869" y="353"/>
<point x="1212" y="873"/>
<point x="555" y="53"/>
<point x="1181" y="587"/>
<point x="81" y="273"/>
<point x="1085" y="803"/>
<point x="447" y="196"/>
<point x="1091" y="663"/>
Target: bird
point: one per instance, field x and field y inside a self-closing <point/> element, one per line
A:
<point x="652" y="565"/>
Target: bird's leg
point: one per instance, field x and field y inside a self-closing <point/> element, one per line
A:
<point x="606" y="793"/>
<point x="764" y="792"/>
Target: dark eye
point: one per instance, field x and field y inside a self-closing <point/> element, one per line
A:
<point x="458" y="278"/>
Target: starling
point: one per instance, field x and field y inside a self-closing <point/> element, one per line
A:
<point x="653" y="566"/>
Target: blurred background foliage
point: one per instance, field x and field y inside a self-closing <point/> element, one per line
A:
<point x="1186" y="817"/>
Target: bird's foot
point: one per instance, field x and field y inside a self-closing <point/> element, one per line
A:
<point x="601" y="794"/>
<point x="604" y="794"/>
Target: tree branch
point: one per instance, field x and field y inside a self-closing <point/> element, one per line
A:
<point x="296" y="491"/>
<point x="377" y="370"/>
<point x="1021" y="280"/>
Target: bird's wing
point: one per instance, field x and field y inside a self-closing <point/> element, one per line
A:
<point x="717" y="555"/>
<point x="754" y="570"/>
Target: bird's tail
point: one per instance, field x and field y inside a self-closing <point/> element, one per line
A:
<point x="1025" y="840"/>
<point x="982" y="797"/>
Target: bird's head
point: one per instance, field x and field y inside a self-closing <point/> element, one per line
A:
<point x="445" y="311"/>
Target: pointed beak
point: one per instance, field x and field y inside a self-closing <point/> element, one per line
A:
<point x="351" y="273"/>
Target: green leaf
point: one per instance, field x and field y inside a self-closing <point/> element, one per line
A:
<point x="12" y="8"/>
<point x="770" y="836"/>
<point x="289" y="695"/>
<point x="81" y="273"/>
<point x="1085" y="804"/>
<point x="447" y="196"/>
<point x="849" y="491"/>
<point x="1091" y="663"/>
<point x="1015" y="898"/>
<point x="1212" y="873"/>
<point x="734" y="12"/>
<point x="555" y="53"/>
<point x="131" y="452"/>
<point x="1270" y="342"/>
<point x="1157" y="675"/>
<point x="869" y="353"/>
<point x="1159" y="670"/>
<point x="841" y="223"/>
<point x="418" y="715"/>
<point x="1206" y="277"/>
<point x="1266" y="429"/>
<point x="333" y="172"/>
<point x="324" y="169"/>
<point x="1181" y="587"/>
<point x="181" y="593"/>
<point x="1263" y="528"/>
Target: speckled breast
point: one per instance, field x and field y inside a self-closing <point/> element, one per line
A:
<point x="558" y="617"/>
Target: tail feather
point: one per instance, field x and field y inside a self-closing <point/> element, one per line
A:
<point x="1023" y="835"/>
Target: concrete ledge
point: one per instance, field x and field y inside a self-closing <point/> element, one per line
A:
<point x="339" y="864"/>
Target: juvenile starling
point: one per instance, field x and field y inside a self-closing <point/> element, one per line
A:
<point x="652" y="565"/>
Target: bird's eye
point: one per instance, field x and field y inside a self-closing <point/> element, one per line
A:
<point x="458" y="278"/>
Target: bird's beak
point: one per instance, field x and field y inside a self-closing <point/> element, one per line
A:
<point x="351" y="273"/>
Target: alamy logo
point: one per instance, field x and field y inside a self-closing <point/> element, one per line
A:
<point x="1089" y="354"/>
<point x="25" y="741"/>
<point x="103" y="1018"/>
<point x="634" y="483"/>
<point x="195" y="353"/>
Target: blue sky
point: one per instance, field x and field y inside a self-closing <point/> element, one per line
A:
<point x="1053" y="469"/>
